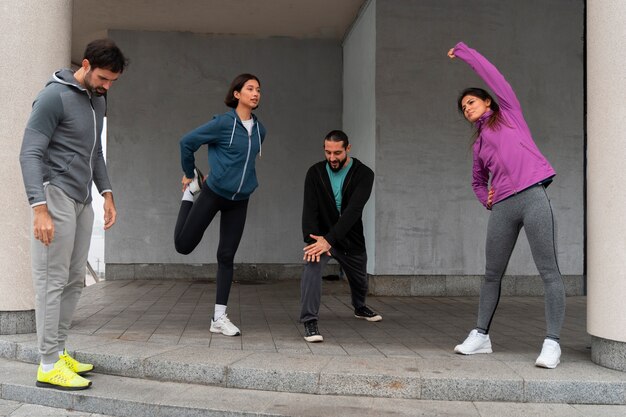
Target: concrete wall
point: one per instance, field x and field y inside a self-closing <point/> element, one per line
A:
<point x="359" y="107"/>
<point x="177" y="81"/>
<point x="35" y="35"/>
<point x="427" y="218"/>
<point x="606" y="202"/>
<point x="400" y="111"/>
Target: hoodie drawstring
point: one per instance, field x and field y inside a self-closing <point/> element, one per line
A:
<point x="258" y="132"/>
<point x="233" y="133"/>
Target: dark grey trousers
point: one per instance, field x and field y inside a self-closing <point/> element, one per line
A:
<point x="529" y="209"/>
<point x="355" y="268"/>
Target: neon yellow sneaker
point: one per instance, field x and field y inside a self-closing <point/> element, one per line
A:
<point x="61" y="377"/>
<point x="74" y="365"/>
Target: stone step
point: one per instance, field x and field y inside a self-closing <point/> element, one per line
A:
<point x="454" y="378"/>
<point x="131" y="397"/>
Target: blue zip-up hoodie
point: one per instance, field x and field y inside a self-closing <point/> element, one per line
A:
<point x="232" y="154"/>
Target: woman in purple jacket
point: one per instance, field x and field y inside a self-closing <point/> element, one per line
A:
<point x="506" y="156"/>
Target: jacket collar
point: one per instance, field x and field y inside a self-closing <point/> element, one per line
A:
<point x="479" y="123"/>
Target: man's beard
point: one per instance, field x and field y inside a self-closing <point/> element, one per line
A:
<point x="341" y="164"/>
<point x="98" y="91"/>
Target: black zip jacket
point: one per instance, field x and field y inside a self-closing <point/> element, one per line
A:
<point x="319" y="213"/>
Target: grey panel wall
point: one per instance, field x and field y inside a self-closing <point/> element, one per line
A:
<point x="359" y="107"/>
<point x="177" y="81"/>
<point x="400" y="91"/>
<point x="427" y="218"/>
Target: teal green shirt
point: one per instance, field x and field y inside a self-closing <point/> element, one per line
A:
<point x="336" y="181"/>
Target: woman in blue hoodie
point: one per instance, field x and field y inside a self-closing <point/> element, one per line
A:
<point x="234" y="140"/>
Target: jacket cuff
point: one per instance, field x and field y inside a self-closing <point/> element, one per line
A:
<point x="330" y="239"/>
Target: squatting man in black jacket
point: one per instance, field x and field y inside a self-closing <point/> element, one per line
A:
<point x="335" y="192"/>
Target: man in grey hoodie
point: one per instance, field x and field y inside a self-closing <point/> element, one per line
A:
<point x="61" y="156"/>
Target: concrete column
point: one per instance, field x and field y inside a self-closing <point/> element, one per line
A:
<point x="606" y="181"/>
<point x="36" y="40"/>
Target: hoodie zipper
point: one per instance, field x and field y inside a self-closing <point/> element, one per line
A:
<point x="95" y="127"/>
<point x="95" y="139"/>
<point x="245" y="166"/>
<point x="330" y="195"/>
<point x="347" y="184"/>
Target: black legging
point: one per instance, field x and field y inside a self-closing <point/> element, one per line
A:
<point x="194" y="218"/>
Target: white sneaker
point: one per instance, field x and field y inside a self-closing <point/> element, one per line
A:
<point x="550" y="355"/>
<point x="475" y="343"/>
<point x="224" y="326"/>
<point x="195" y="186"/>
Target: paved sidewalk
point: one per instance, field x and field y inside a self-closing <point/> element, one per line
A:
<point x="151" y="345"/>
<point x="174" y="312"/>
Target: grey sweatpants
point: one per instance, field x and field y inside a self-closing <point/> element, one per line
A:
<point x="530" y="209"/>
<point x="355" y="267"/>
<point x="59" y="270"/>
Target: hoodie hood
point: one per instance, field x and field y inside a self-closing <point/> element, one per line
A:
<point x="65" y="77"/>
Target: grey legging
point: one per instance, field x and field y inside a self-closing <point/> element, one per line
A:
<point x="530" y="209"/>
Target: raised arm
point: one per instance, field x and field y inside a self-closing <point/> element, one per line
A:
<point x="489" y="73"/>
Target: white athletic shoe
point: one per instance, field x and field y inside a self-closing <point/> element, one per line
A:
<point x="224" y="326"/>
<point x="475" y="343"/>
<point x="195" y="186"/>
<point x="550" y="355"/>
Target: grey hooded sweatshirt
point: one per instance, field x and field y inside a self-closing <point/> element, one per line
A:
<point x="61" y="144"/>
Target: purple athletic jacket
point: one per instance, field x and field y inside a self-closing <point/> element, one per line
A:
<point x="509" y="153"/>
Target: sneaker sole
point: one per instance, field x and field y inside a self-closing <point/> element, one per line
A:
<point x="546" y="366"/>
<point x="373" y="319"/>
<point x="487" y="350"/>
<point x="59" y="387"/>
<point x="224" y="333"/>
<point x="314" y="339"/>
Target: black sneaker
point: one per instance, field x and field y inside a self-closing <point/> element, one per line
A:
<point x="311" y="334"/>
<point x="367" y="314"/>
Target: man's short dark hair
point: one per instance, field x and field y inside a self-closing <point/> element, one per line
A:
<point x="104" y="53"/>
<point x="338" y="136"/>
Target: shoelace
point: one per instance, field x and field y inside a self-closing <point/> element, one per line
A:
<point x="64" y="376"/>
<point x="225" y="322"/>
<point x="311" y="328"/>
<point x="549" y="350"/>
<point x="69" y="360"/>
<point x="365" y="311"/>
